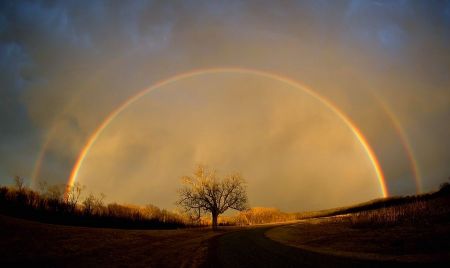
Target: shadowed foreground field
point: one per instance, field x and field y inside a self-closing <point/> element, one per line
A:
<point x="27" y="243"/>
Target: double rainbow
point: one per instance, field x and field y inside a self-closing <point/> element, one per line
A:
<point x="98" y="131"/>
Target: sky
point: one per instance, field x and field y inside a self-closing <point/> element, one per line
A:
<point x="385" y="65"/>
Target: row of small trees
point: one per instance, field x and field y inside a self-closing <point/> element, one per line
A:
<point x="56" y="197"/>
<point x="62" y="204"/>
<point x="203" y="193"/>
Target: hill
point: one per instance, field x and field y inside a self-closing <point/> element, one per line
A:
<point x="412" y="229"/>
<point x="375" y="204"/>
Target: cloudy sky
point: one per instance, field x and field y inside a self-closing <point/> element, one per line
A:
<point x="65" y="66"/>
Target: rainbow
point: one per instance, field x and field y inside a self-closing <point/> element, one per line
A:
<point x="40" y="157"/>
<point x="404" y="140"/>
<point x="97" y="132"/>
<point x="48" y="137"/>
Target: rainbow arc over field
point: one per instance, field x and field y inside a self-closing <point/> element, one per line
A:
<point x="349" y="123"/>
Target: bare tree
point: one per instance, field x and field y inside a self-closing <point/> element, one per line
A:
<point x="19" y="183"/>
<point x="152" y="212"/>
<point x="93" y="204"/>
<point x="206" y="193"/>
<point x="72" y="195"/>
<point x="55" y="192"/>
<point x="42" y="186"/>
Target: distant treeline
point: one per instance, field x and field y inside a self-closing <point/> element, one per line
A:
<point x="61" y="205"/>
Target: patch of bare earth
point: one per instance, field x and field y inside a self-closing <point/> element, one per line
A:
<point x="404" y="243"/>
<point x="27" y="242"/>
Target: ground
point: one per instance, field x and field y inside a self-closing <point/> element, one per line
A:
<point x="307" y="244"/>
<point x="404" y="243"/>
<point x="26" y="242"/>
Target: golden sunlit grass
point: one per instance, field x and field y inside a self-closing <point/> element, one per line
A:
<point x="417" y="212"/>
<point x="259" y="215"/>
<point x="420" y="210"/>
<point x="389" y="208"/>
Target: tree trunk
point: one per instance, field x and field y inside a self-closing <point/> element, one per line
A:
<point x="214" y="220"/>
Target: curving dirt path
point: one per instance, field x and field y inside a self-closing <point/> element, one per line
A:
<point x="251" y="248"/>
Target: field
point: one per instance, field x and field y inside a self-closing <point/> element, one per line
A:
<point x="417" y="231"/>
<point x="26" y="242"/>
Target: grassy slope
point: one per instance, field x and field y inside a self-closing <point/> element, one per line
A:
<point x="423" y="240"/>
<point x="372" y="204"/>
<point x="29" y="242"/>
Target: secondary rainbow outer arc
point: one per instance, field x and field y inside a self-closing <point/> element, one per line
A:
<point x="40" y="157"/>
<point x="406" y="144"/>
<point x="91" y="140"/>
<point x="43" y="149"/>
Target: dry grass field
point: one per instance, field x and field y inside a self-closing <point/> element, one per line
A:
<point x="26" y="242"/>
<point x="413" y="232"/>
